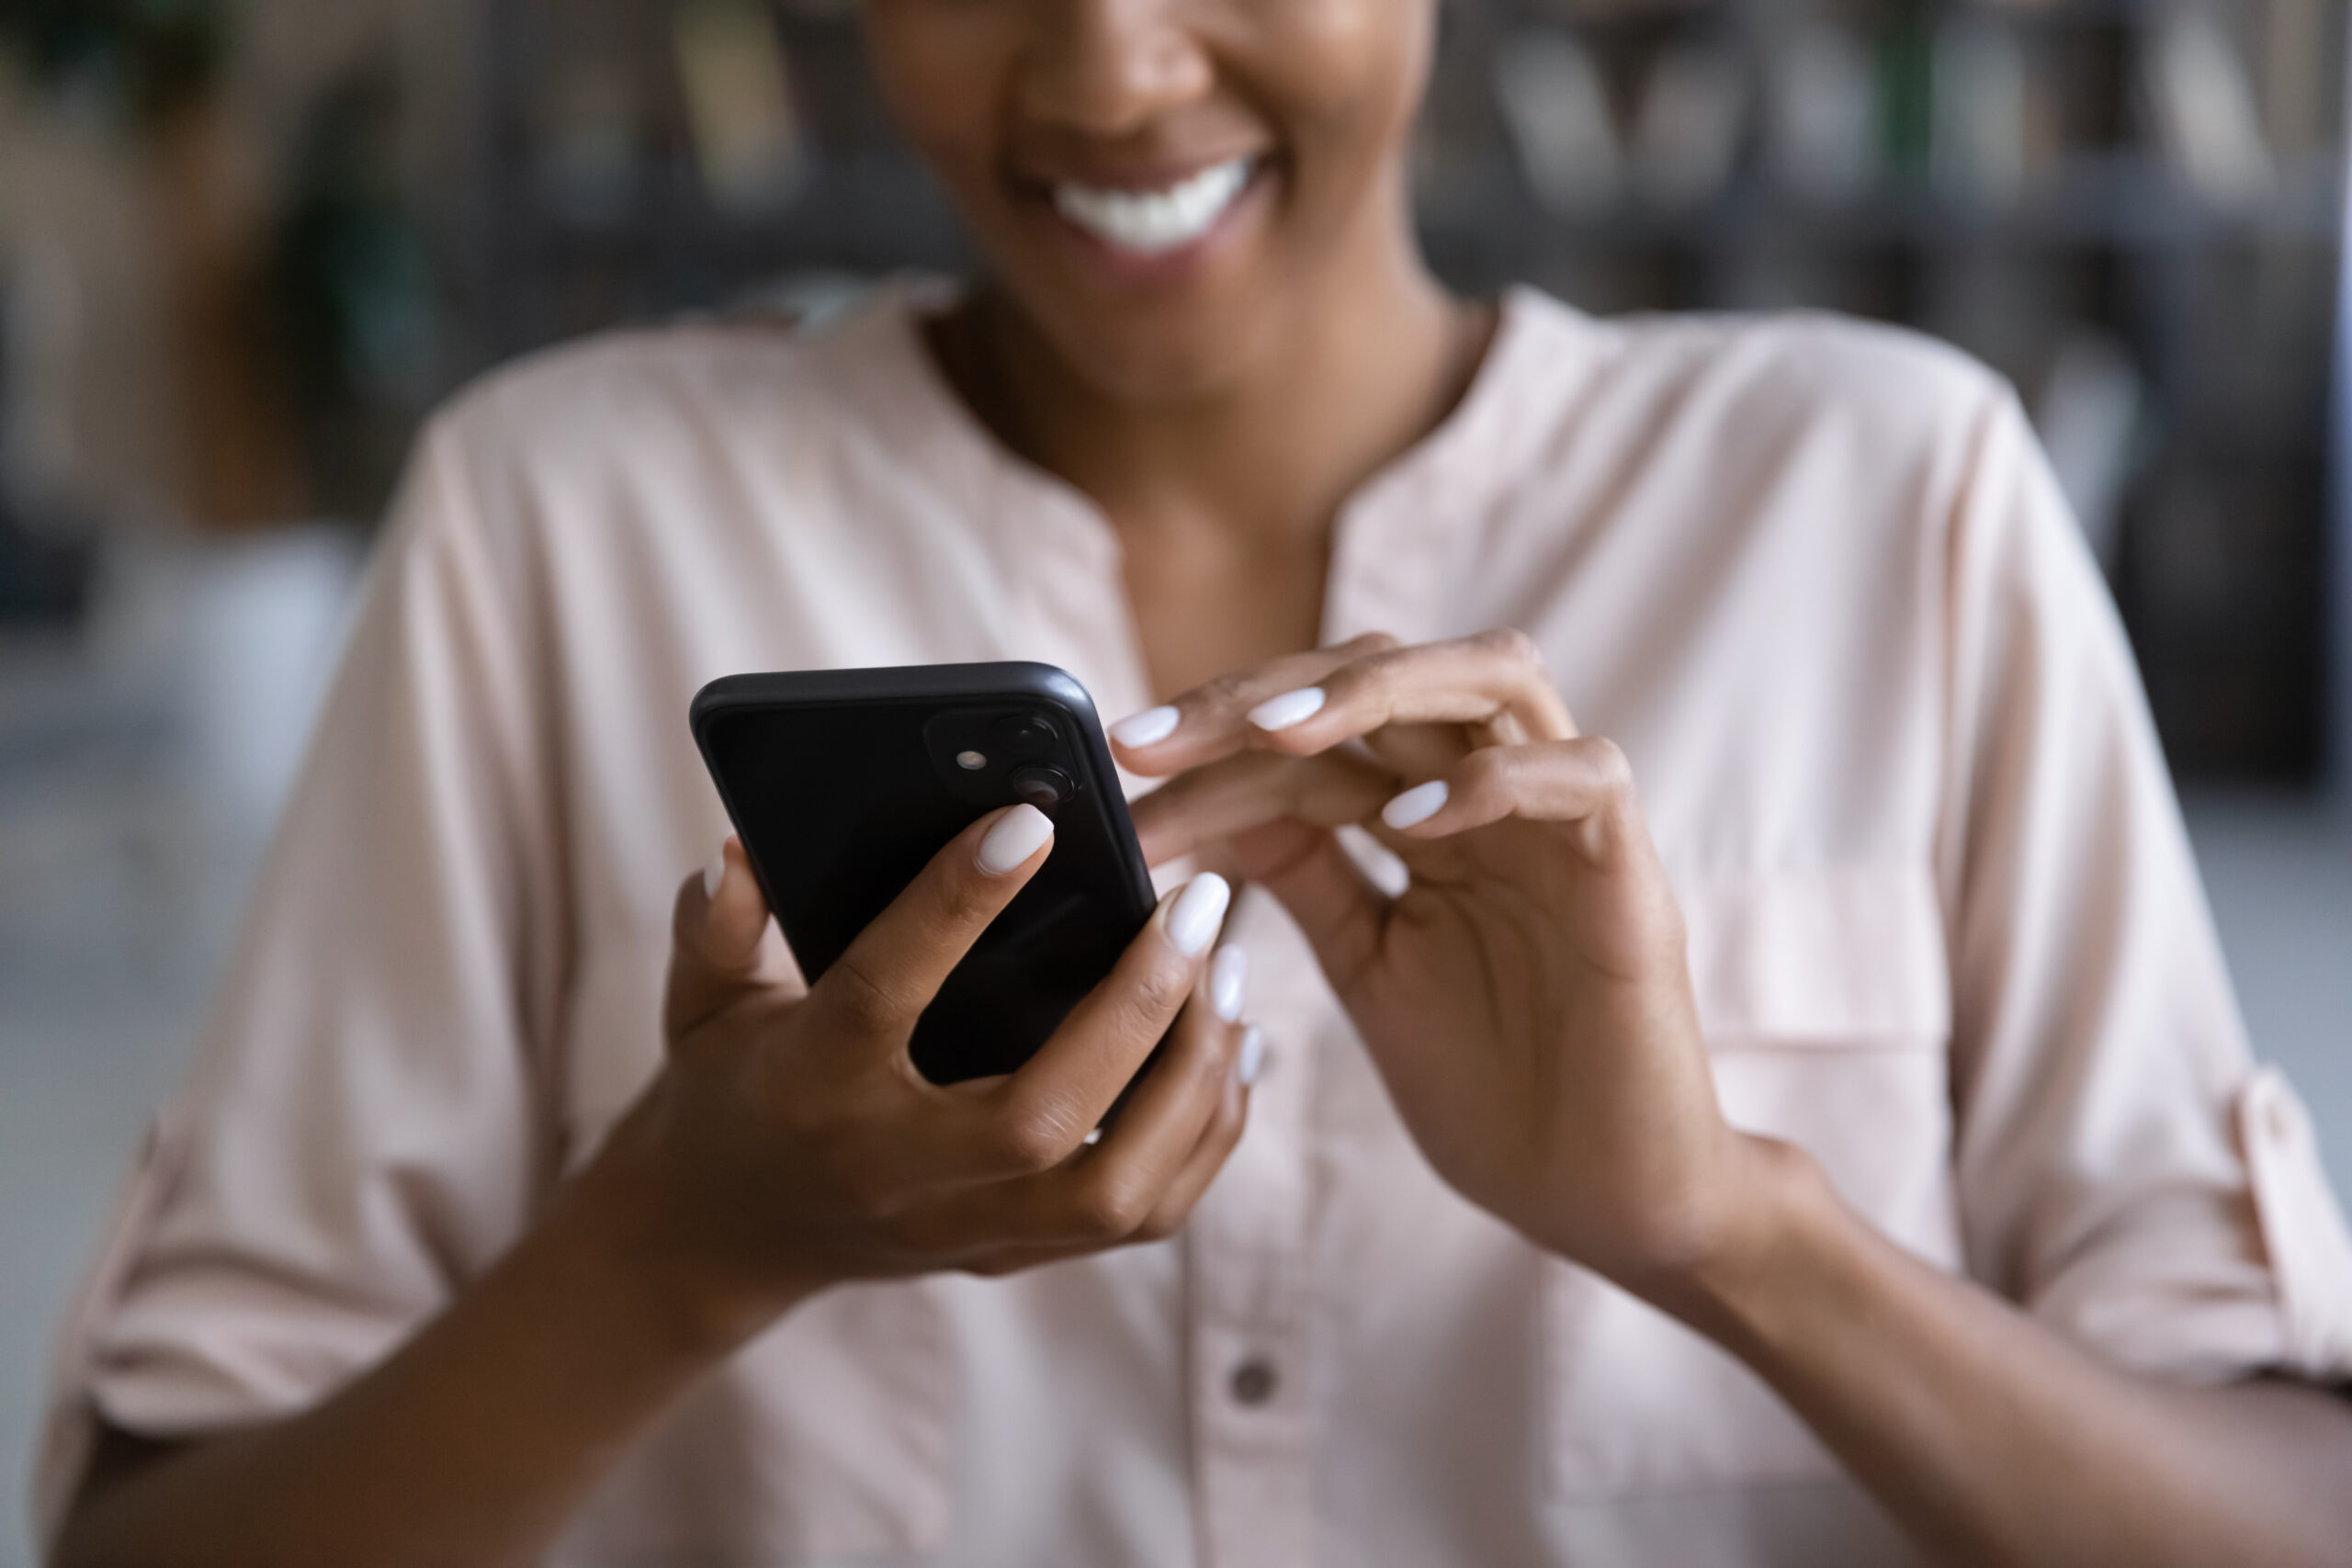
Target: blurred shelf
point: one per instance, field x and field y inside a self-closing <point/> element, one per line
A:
<point x="2122" y="200"/>
<point x="2223" y="312"/>
<point x="876" y="200"/>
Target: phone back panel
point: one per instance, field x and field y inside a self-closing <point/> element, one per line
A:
<point x="843" y="785"/>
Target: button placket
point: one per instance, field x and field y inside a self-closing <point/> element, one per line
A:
<point x="1248" y="1289"/>
<point x="1253" y="1381"/>
<point x="1251" y="1340"/>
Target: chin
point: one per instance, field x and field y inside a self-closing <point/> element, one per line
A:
<point x="1186" y="357"/>
<point x="1166" y="324"/>
<point x="1151" y="347"/>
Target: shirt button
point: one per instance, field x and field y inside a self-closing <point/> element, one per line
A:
<point x="1253" y="1381"/>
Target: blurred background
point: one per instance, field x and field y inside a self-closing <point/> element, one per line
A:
<point x="245" y="244"/>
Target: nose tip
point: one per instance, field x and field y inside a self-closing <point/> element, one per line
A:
<point x="1107" y="66"/>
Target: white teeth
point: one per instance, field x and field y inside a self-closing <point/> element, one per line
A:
<point x="1148" y="221"/>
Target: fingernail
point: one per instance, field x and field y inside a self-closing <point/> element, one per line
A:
<point x="1149" y="728"/>
<point x="714" y="874"/>
<point x="1228" y="981"/>
<point x="1291" y="707"/>
<point x="1252" y="1057"/>
<point x="1199" y="910"/>
<point x="1014" y="840"/>
<point x="1418" y="804"/>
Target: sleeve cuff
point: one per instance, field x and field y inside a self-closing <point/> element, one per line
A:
<point x="69" y="1424"/>
<point x="2302" y="1228"/>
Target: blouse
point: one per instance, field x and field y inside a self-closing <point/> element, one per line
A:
<point x="1945" y="931"/>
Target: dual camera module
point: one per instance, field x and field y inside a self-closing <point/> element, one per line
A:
<point x="990" y="756"/>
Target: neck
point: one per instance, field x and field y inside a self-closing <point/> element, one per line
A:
<point x="1269" y="455"/>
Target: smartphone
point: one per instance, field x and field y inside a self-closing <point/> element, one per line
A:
<point x="844" y="783"/>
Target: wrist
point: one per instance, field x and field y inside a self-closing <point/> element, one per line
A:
<point x="1786" y="1221"/>
<point x="650" y="1260"/>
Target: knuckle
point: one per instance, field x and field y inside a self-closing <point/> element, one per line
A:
<point x="961" y="898"/>
<point x="1034" y="1137"/>
<point x="1223" y="691"/>
<point x="1374" y="642"/>
<point x="868" y="1002"/>
<point x="1609" y="764"/>
<point x="1487" y="774"/>
<point x="1110" y="1205"/>
<point x="1388" y="667"/>
<point x="803" y="1121"/>
<point x="1161" y="991"/>
<point x="1513" y="645"/>
<point x="871" y="1195"/>
<point x="1373" y="677"/>
<point x="1208" y="1061"/>
<point x="1488" y="765"/>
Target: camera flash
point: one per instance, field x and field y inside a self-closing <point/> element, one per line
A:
<point x="970" y="760"/>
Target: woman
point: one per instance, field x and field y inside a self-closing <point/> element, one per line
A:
<point x="1841" y="1150"/>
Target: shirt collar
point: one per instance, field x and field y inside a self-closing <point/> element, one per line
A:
<point x="1540" y="351"/>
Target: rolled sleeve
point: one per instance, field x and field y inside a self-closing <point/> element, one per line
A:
<point x="2303" y="1232"/>
<point x="2122" y="1166"/>
<point x="70" y="1423"/>
<point x="365" y="1128"/>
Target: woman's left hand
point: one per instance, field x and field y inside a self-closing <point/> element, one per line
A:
<point x="1526" y="998"/>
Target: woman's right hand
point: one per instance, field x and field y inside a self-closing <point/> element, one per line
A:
<point x="789" y="1143"/>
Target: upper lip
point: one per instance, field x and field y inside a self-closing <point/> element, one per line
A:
<point x="1134" y="175"/>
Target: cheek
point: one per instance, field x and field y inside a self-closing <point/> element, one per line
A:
<point x="933" y="63"/>
<point x="1348" y="75"/>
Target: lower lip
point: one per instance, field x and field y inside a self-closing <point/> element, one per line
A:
<point x="1178" y="262"/>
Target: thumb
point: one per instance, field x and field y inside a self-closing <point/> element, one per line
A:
<point x="722" y="945"/>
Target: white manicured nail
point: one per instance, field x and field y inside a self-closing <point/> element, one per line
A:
<point x="1418" y="804"/>
<point x="714" y="874"/>
<point x="1228" y="981"/>
<point x="1291" y="707"/>
<point x="1014" y="838"/>
<point x="1149" y="728"/>
<point x="1199" y="910"/>
<point x="1252" y="1057"/>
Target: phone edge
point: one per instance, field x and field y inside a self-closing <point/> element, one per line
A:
<point x="1031" y="678"/>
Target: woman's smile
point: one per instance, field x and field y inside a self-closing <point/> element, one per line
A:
<point x="1155" y="220"/>
<point x="1164" y="223"/>
<point x="1155" y="232"/>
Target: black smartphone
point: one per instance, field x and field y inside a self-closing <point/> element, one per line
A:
<point x="842" y="784"/>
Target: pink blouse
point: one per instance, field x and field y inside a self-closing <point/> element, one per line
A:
<point x="1945" y="931"/>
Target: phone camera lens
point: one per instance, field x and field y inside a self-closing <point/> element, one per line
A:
<point x="1042" y="786"/>
<point x="1025" y="735"/>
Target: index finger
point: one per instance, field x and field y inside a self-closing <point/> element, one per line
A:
<point x="1040" y="1114"/>
<point x="1212" y="719"/>
<point x="1492" y="688"/>
<point x="1223" y="798"/>
<point x="880" y="985"/>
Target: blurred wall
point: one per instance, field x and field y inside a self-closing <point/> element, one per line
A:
<point x="83" y="376"/>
